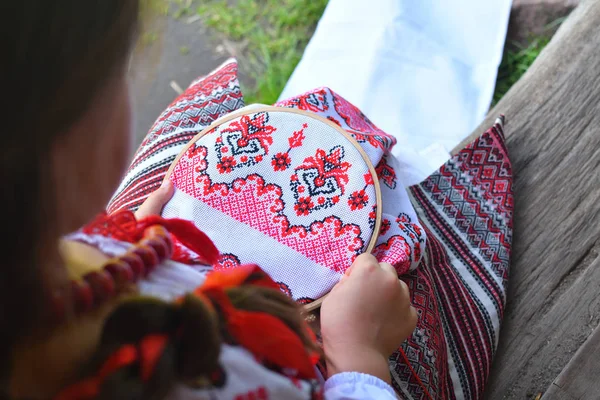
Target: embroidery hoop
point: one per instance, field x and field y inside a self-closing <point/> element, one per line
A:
<point x="271" y="109"/>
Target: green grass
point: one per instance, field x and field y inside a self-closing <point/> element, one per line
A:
<point x="272" y="35"/>
<point x="515" y="62"/>
<point x="518" y="58"/>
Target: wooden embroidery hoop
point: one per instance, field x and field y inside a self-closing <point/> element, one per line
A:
<point x="271" y="109"/>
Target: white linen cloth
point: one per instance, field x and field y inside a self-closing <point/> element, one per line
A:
<point x="423" y="71"/>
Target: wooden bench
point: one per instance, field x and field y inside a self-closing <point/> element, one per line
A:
<point x="550" y="342"/>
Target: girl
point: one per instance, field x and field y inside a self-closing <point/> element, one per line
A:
<point x="67" y="129"/>
<point x="140" y="325"/>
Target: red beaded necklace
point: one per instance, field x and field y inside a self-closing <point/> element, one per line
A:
<point x="153" y="245"/>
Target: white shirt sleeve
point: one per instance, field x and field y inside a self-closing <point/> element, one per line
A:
<point x="357" y="386"/>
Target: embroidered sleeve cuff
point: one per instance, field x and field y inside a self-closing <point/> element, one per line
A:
<point x="356" y="386"/>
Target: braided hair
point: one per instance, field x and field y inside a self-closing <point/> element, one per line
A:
<point x="194" y="329"/>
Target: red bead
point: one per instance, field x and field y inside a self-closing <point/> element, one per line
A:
<point x="135" y="262"/>
<point x="159" y="245"/>
<point x="148" y="254"/>
<point x="160" y="234"/>
<point x="120" y="270"/>
<point x="82" y="295"/>
<point x="169" y="243"/>
<point x="102" y="285"/>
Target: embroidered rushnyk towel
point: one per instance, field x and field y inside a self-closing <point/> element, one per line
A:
<point x="297" y="194"/>
<point x="463" y="211"/>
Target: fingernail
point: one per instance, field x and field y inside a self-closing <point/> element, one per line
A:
<point x="166" y="183"/>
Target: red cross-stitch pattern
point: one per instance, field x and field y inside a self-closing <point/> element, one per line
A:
<point x="259" y="205"/>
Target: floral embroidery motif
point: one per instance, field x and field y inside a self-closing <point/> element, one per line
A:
<point x="244" y="142"/>
<point x="385" y="227"/>
<point x="315" y="101"/>
<point x="281" y="161"/>
<point x="303" y="206"/>
<point x="259" y="205"/>
<point x="373" y="217"/>
<point x="285" y="289"/>
<point x="413" y="232"/>
<point x="386" y="173"/>
<point x="377" y="141"/>
<point x="309" y="192"/>
<point x="226" y="165"/>
<point x="320" y="180"/>
<point x="358" y="200"/>
<point x="227" y="261"/>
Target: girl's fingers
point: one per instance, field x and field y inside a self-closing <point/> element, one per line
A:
<point x="389" y="268"/>
<point x="156" y="201"/>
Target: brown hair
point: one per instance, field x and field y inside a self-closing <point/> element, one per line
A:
<point x="57" y="55"/>
<point x="195" y="335"/>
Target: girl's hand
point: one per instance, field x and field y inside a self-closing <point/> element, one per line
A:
<point x="156" y="201"/>
<point x="365" y="318"/>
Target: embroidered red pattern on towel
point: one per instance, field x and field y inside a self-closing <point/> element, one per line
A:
<point x="320" y="181"/>
<point x="394" y="240"/>
<point x="207" y="99"/>
<point x="309" y="218"/>
<point x="258" y="204"/>
<point x="466" y="208"/>
<point x="244" y="142"/>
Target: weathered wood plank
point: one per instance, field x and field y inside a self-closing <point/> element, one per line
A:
<point x="579" y="379"/>
<point x="554" y="141"/>
<point x="545" y="343"/>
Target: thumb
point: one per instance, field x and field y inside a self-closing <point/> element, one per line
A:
<point x="156" y="201"/>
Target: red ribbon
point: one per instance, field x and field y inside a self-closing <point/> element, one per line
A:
<point x="187" y="233"/>
<point x="123" y="226"/>
<point x="264" y="335"/>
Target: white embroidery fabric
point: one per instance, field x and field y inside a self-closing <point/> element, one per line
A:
<point x="293" y="194"/>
